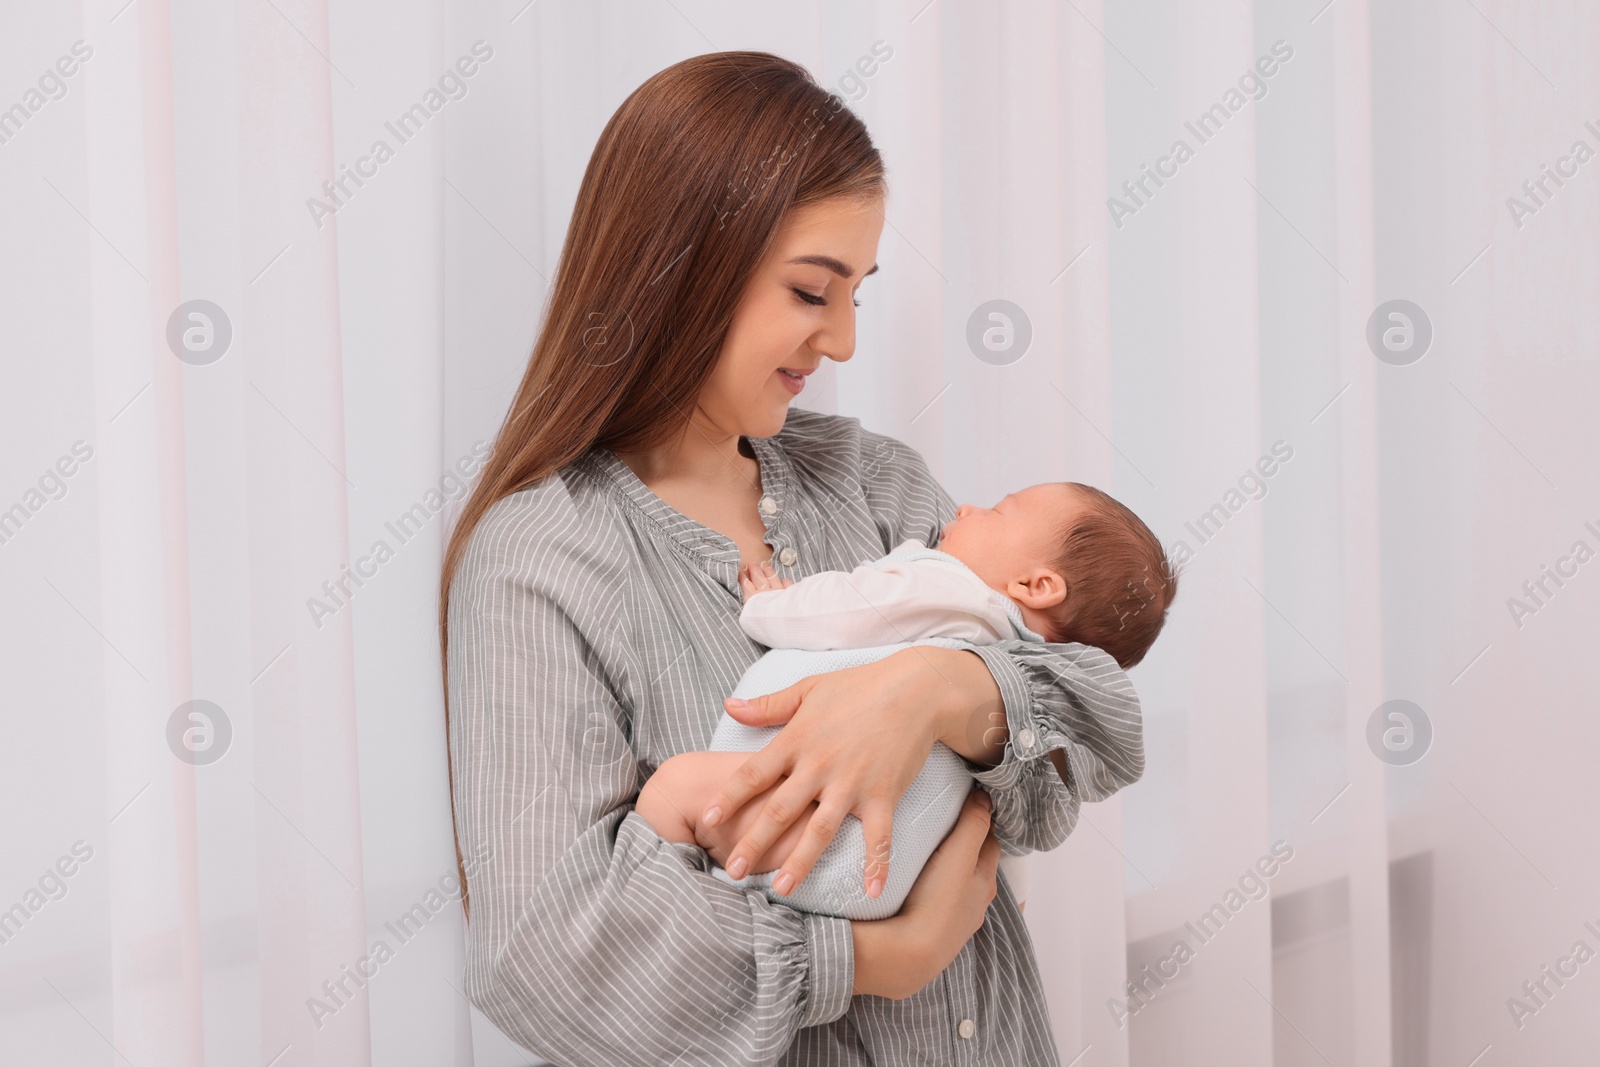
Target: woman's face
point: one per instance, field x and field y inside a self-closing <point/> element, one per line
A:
<point x="797" y="310"/>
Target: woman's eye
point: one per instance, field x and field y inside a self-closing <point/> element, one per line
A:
<point x="811" y="298"/>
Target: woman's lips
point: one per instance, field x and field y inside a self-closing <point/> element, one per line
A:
<point x="792" y="382"/>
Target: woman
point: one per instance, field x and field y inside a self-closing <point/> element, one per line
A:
<point x="590" y="601"/>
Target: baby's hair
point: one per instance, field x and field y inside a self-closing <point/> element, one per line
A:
<point x="1119" y="580"/>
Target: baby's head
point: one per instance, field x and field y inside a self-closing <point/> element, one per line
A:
<point x="1079" y="564"/>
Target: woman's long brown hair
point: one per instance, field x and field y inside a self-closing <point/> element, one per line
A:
<point x="686" y="189"/>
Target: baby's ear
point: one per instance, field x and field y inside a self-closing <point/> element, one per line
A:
<point x="1043" y="589"/>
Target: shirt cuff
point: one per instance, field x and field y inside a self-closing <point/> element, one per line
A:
<point x="1026" y="740"/>
<point x="830" y="946"/>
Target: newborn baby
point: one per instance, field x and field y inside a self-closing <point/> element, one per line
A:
<point x="1059" y="561"/>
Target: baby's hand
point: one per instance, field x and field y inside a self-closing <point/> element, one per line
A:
<point x="759" y="578"/>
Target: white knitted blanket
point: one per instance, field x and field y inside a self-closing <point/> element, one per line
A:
<point x="922" y="818"/>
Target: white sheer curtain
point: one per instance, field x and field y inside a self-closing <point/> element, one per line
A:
<point x="241" y="502"/>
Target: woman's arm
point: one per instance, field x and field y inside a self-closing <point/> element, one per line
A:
<point x="592" y="940"/>
<point x="1048" y="727"/>
<point x="851" y="763"/>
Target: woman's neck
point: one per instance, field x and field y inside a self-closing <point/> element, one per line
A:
<point x="698" y="456"/>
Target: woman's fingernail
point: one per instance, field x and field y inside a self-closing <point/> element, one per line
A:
<point x="736" y="868"/>
<point x="783" y="883"/>
<point x="737" y="702"/>
<point x="712" y="816"/>
<point x="874" y="888"/>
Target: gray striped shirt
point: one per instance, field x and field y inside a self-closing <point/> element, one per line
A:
<point x="593" y="634"/>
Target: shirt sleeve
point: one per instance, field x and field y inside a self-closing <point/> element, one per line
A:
<point x="591" y="940"/>
<point x="878" y="603"/>
<point x="1070" y="697"/>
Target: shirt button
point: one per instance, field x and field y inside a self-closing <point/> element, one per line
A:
<point x="769" y="505"/>
<point x="966" y="1029"/>
<point x="1025" y="738"/>
<point x="788" y="556"/>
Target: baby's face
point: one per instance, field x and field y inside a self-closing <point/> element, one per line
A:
<point x="1019" y="533"/>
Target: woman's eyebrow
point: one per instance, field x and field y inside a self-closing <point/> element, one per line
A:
<point x="828" y="262"/>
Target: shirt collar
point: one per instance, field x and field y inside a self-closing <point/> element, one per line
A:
<point x="777" y="482"/>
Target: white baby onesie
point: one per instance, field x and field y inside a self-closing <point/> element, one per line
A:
<point x="913" y="596"/>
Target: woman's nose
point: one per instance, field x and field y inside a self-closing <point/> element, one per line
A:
<point x="837" y="339"/>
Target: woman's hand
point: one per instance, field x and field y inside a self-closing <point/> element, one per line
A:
<point x="897" y="957"/>
<point x="855" y="740"/>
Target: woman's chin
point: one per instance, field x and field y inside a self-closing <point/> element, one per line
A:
<point x="769" y="423"/>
